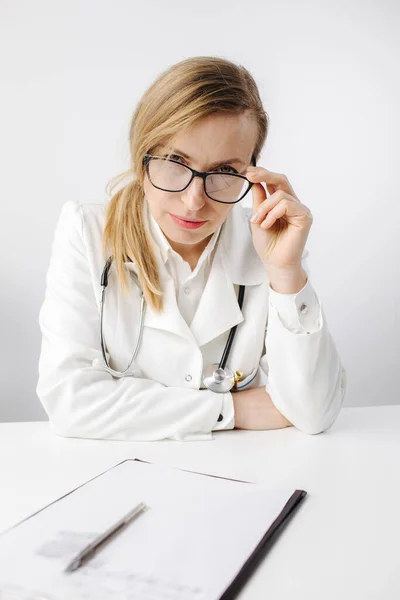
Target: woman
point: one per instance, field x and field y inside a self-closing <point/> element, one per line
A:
<point x="179" y="236"/>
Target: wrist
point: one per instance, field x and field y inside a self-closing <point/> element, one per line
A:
<point x="287" y="281"/>
<point x="240" y="408"/>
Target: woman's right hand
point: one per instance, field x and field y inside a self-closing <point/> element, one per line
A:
<point x="254" y="410"/>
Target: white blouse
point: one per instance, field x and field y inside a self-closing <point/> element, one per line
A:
<point x="189" y="284"/>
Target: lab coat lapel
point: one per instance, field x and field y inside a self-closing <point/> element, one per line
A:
<point x="235" y="262"/>
<point x="218" y="309"/>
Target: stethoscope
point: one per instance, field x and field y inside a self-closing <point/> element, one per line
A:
<point x="217" y="377"/>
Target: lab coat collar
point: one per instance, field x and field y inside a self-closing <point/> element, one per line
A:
<point x="235" y="262"/>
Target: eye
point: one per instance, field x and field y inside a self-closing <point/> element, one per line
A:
<point x="232" y="170"/>
<point x="176" y="157"/>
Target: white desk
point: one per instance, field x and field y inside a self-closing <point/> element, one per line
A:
<point x="342" y="543"/>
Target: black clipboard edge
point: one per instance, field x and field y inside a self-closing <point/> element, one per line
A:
<point x="267" y="541"/>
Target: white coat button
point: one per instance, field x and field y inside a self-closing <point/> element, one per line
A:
<point x="304" y="309"/>
<point x="188" y="378"/>
<point x="187" y="290"/>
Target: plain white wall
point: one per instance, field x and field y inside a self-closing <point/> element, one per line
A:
<point x="71" y="74"/>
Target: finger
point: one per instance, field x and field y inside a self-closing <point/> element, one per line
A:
<point x="267" y="205"/>
<point x="286" y="208"/>
<point x="274" y="181"/>
<point x="276" y="213"/>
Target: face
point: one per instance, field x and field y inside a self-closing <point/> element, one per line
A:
<point x="210" y="142"/>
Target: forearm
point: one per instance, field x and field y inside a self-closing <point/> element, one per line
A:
<point x="254" y="410"/>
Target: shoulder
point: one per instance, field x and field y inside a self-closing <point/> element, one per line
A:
<point x="81" y="218"/>
<point x="78" y="237"/>
<point x="80" y="229"/>
<point x="87" y="213"/>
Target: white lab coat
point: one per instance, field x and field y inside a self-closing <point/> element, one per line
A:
<point x="165" y="398"/>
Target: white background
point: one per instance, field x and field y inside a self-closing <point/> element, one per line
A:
<point x="71" y="73"/>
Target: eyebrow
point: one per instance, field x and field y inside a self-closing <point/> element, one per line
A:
<point x="216" y="164"/>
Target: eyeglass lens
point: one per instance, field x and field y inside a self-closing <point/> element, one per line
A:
<point x="173" y="177"/>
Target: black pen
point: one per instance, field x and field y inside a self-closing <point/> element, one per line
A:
<point x="94" y="546"/>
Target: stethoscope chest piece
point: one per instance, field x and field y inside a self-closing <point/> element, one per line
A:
<point x="217" y="379"/>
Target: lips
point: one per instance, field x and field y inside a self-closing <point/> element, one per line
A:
<point x="188" y="219"/>
<point x="185" y="223"/>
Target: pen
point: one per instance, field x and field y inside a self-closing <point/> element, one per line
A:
<point x="87" y="553"/>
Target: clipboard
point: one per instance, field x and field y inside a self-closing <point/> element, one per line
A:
<point x="253" y="559"/>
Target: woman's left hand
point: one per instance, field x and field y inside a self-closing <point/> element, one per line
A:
<point x="281" y="229"/>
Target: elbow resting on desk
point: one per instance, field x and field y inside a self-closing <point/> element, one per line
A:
<point x="312" y="413"/>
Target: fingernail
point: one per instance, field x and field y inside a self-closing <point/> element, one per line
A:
<point x="254" y="217"/>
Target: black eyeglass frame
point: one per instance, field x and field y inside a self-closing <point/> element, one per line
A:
<point x="146" y="160"/>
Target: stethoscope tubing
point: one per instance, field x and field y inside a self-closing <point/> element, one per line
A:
<point x="104" y="284"/>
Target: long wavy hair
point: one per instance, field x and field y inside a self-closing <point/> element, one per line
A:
<point x="182" y="95"/>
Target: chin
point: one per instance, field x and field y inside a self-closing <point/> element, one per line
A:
<point x="187" y="235"/>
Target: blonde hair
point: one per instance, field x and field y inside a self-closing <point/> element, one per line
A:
<point x="180" y="96"/>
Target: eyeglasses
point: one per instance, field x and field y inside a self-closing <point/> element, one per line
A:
<point x="173" y="176"/>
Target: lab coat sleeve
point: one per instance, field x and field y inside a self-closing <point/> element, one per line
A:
<point x="305" y="377"/>
<point x="82" y="399"/>
<point x="299" y="312"/>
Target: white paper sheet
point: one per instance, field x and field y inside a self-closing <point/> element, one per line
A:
<point x="189" y="544"/>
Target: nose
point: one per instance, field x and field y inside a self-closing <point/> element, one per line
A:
<point x="194" y="197"/>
